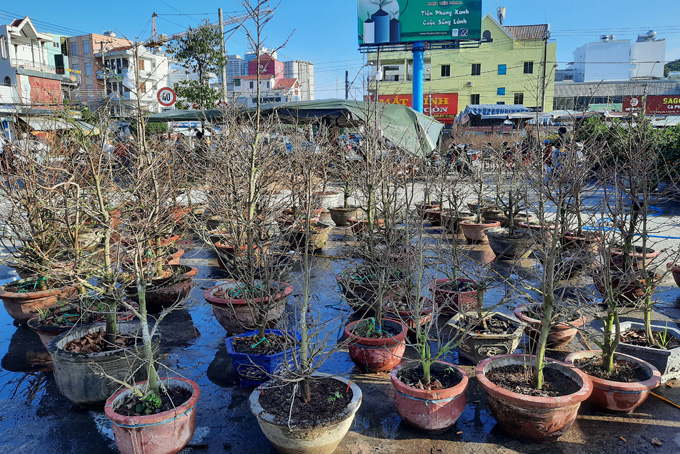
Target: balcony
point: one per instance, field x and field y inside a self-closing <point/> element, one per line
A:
<point x="28" y="64"/>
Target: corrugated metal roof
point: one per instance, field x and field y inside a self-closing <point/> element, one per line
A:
<point x="527" y="32"/>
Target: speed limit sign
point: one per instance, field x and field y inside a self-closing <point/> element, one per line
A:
<point x="166" y="97"/>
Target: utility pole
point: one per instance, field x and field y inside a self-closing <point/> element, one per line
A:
<point x="224" y="56"/>
<point x="346" y="84"/>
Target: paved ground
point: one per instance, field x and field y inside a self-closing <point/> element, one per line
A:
<point x="35" y="418"/>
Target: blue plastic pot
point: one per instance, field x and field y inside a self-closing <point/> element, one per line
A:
<point x="253" y="370"/>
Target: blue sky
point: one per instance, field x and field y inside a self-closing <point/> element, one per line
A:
<point x="324" y="31"/>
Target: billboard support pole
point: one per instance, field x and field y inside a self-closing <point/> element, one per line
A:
<point x="418" y="75"/>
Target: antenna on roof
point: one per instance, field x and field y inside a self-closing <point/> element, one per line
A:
<point x="500" y="13"/>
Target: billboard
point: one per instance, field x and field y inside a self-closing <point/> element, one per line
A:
<point x="654" y="104"/>
<point x="441" y="106"/>
<point x="404" y="21"/>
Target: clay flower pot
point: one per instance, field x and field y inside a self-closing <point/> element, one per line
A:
<point x="636" y="257"/>
<point x="507" y="246"/>
<point x="560" y="334"/>
<point x="167" y="432"/>
<point x="341" y="216"/>
<point x="425" y="409"/>
<point x="675" y="270"/>
<point x="360" y="226"/>
<point x="450" y="302"/>
<point x="628" y="291"/>
<point x="527" y="417"/>
<point x="402" y="308"/>
<point x="477" y="345"/>
<point x="235" y="315"/>
<point x="451" y="221"/>
<point x="163" y="292"/>
<point x="476" y="233"/>
<point x="23" y="304"/>
<point x="615" y="395"/>
<point x="321" y="438"/>
<point x="373" y="354"/>
<point x="421" y="208"/>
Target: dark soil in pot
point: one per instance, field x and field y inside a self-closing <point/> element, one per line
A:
<point x="638" y="337"/>
<point x="329" y="398"/>
<point x="495" y="325"/>
<point x="441" y="377"/>
<point x="517" y="378"/>
<point x="560" y="314"/>
<point x="369" y="331"/>
<point x="254" y="345"/>
<point x="133" y="405"/>
<point x="457" y="286"/>
<point x="623" y="371"/>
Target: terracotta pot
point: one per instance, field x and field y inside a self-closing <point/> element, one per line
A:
<point x="24" y="306"/>
<point x="450" y="302"/>
<point x="475" y="233"/>
<point x="511" y="247"/>
<point x="560" y="334"/>
<point x="322" y="438"/>
<point x="172" y="258"/>
<point x="588" y="242"/>
<point x="327" y="199"/>
<point x="234" y="314"/>
<point x="628" y="292"/>
<point x="675" y="270"/>
<point x="434" y="216"/>
<point x="361" y="294"/>
<point x="316" y="240"/>
<point x="451" y="220"/>
<point x="635" y="257"/>
<point x="408" y="316"/>
<point x="376" y="355"/>
<point x="527" y="417"/>
<point x="429" y="409"/>
<point x="163" y="292"/>
<point x="167" y="432"/>
<point x="341" y="216"/>
<point x="495" y="215"/>
<point x="421" y="207"/>
<point x="227" y="255"/>
<point x="360" y="226"/>
<point x="615" y="395"/>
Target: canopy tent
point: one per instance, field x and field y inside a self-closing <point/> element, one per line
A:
<point x="491" y="111"/>
<point x="44" y="123"/>
<point x="404" y="127"/>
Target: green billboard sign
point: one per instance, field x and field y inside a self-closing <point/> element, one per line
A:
<point x="404" y="21"/>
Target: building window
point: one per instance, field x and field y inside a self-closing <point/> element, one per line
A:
<point x="500" y="103"/>
<point x="476" y="69"/>
<point x="75" y="67"/>
<point x="88" y="69"/>
<point x="8" y="81"/>
<point x="267" y="84"/>
<point x="141" y="65"/>
<point x="500" y="91"/>
<point x="502" y="70"/>
<point x="446" y="70"/>
<point x="474" y="99"/>
<point x="486" y="37"/>
<point x="528" y="67"/>
<point x="3" y="47"/>
<point x="74" y="49"/>
<point x="142" y="87"/>
<point x="237" y="82"/>
<point x="86" y="47"/>
<point x="251" y="85"/>
<point x="519" y="98"/>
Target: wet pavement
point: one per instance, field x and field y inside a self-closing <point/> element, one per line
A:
<point x="36" y="418"/>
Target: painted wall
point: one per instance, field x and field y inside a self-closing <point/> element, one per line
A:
<point x="603" y="60"/>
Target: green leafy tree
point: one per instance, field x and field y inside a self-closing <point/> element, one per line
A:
<point x="671" y="66"/>
<point x="199" y="51"/>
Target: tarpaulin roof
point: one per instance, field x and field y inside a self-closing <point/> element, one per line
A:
<point x="493" y="109"/>
<point x="404" y="127"/>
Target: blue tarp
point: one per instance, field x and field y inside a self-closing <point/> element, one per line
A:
<point x="493" y="109"/>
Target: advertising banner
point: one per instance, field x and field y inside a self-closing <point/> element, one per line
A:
<point x="404" y="21"/>
<point x="653" y="104"/>
<point x="441" y="106"/>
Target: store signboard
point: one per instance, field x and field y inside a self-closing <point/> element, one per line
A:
<point x="441" y="106"/>
<point x="653" y="104"/>
<point x="404" y="21"/>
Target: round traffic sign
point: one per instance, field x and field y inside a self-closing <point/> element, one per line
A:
<point x="166" y="97"/>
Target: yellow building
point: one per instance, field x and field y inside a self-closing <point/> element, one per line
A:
<point x="509" y="67"/>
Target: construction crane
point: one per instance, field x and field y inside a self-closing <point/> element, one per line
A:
<point x="157" y="40"/>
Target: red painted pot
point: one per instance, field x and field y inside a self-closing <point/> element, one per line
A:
<point x="450" y="302"/>
<point x="163" y="292"/>
<point x="226" y="253"/>
<point x="429" y="409"/>
<point x="559" y="335"/>
<point x="675" y="270"/>
<point x="376" y="355"/>
<point x="167" y="432"/>
<point x="434" y="216"/>
<point x="615" y="395"/>
<point x="360" y="226"/>
<point x="421" y="208"/>
<point x="25" y="305"/>
<point x="474" y="233"/>
<point x="235" y="315"/>
<point x="636" y="257"/>
<point x="408" y="316"/>
<point x="528" y="417"/>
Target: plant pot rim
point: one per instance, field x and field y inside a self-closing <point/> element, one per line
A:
<point x="602" y="383"/>
<point x="212" y="299"/>
<point x="373" y="342"/>
<point x="490" y="224"/>
<point x="349" y="208"/>
<point x="427" y="307"/>
<point x="425" y="394"/>
<point x="349" y="410"/>
<point x="517" y="331"/>
<point x="159" y="418"/>
<point x="577" y="322"/>
<point x="230" y="347"/>
<point x="534" y="401"/>
<point x="432" y="285"/>
<point x="503" y="233"/>
<point x="23" y="296"/>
